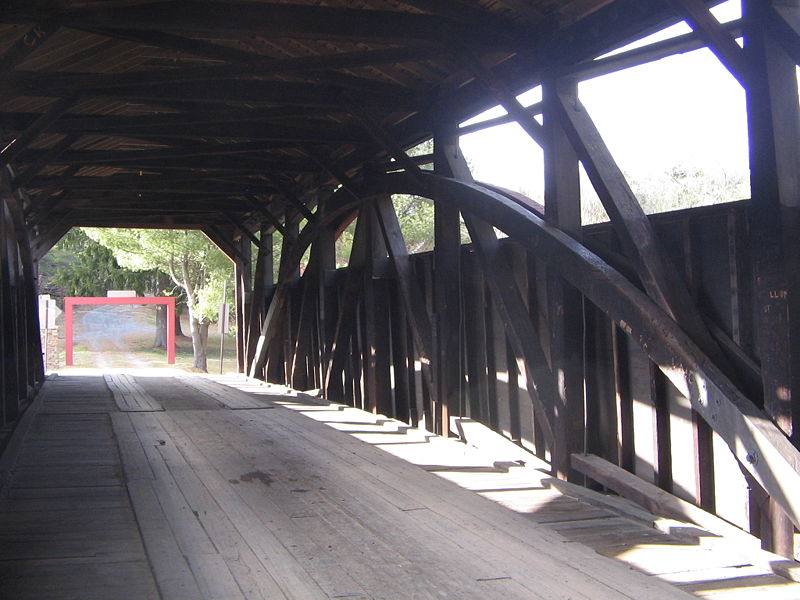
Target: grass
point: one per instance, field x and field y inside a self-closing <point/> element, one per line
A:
<point x="184" y="357"/>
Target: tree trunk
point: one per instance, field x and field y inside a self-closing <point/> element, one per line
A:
<point x="200" y="345"/>
<point x="160" y="282"/>
<point x="178" y="328"/>
<point x="160" y="340"/>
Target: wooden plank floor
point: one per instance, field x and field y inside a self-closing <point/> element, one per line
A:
<point x="67" y="528"/>
<point x="240" y="494"/>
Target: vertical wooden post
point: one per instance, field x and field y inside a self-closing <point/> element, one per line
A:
<point x="5" y="330"/>
<point x="702" y="432"/>
<point x="626" y="452"/>
<point x="262" y="280"/>
<point x="18" y="349"/>
<point x="302" y="331"/>
<point x="243" y="279"/>
<point x="10" y="384"/>
<point x="447" y="289"/>
<point x="601" y="408"/>
<point x="346" y="319"/>
<point x="662" y="436"/>
<point x="563" y="209"/>
<point x="774" y="135"/>
<point x="400" y="364"/>
<point x="29" y="314"/>
<point x="377" y="334"/>
<point x="327" y="308"/>
<point x="773" y="118"/>
<point x="475" y="319"/>
<point x="290" y="312"/>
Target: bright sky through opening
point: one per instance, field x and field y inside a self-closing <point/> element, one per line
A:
<point x="685" y="110"/>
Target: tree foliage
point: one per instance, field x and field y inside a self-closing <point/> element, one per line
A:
<point x="82" y="267"/>
<point x="192" y="262"/>
<point x="676" y="188"/>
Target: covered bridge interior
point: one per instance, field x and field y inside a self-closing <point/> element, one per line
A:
<point x="665" y="347"/>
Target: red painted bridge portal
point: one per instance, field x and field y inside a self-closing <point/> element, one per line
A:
<point x="72" y="301"/>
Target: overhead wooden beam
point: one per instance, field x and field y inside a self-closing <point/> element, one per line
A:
<point x="163" y="39"/>
<point x="250" y="92"/>
<point x="504" y="96"/>
<point x="127" y="220"/>
<point x="155" y="200"/>
<point x="40" y="209"/>
<point x="219" y="77"/>
<point x="248" y="127"/>
<point x="383" y="138"/>
<point x="245" y="65"/>
<point x="44" y="242"/>
<point x="26" y="45"/>
<point x="16" y="146"/>
<point x="712" y="33"/>
<point x="581" y="41"/>
<point x="532" y="110"/>
<point x="350" y="186"/>
<point x="646" y="54"/>
<point x="144" y="184"/>
<point x="251" y="152"/>
<point x="216" y="159"/>
<point x="464" y="13"/>
<point x="784" y="22"/>
<point x="267" y="214"/>
<point x="283" y="20"/>
<point x="242" y="228"/>
<point x="293" y="199"/>
<point x="223" y="242"/>
<point x="44" y="159"/>
<point x="617" y="62"/>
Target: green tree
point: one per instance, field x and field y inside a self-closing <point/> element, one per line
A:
<point x="82" y="267"/>
<point x="192" y="262"/>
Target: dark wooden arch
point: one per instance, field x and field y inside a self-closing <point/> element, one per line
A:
<point x="758" y="444"/>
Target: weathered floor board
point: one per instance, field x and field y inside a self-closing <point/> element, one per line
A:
<point x="67" y="529"/>
<point x="129" y="395"/>
<point x="209" y="495"/>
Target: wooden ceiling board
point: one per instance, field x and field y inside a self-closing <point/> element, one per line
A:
<point x="286" y="82"/>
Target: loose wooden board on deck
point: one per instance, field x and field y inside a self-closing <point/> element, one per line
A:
<point x="129" y="395"/>
<point x="231" y="397"/>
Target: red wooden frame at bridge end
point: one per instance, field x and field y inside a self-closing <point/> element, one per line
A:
<point x="168" y="301"/>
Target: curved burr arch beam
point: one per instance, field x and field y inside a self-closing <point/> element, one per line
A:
<point x="760" y="447"/>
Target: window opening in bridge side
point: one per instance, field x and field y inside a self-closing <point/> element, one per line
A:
<point x="676" y="128"/>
